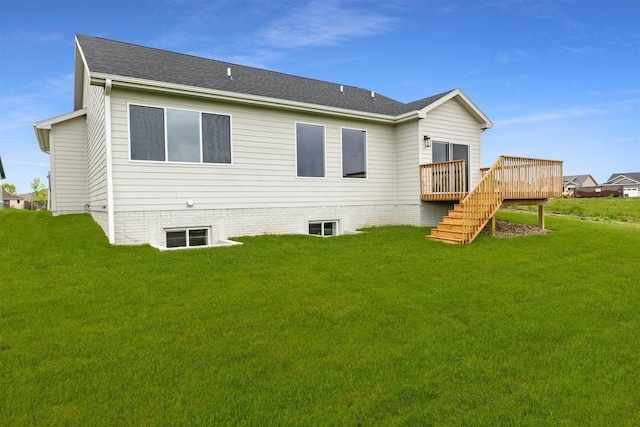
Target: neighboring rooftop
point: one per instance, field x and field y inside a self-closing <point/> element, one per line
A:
<point x="115" y="58"/>
<point x="7" y="196"/>
<point x="616" y="178"/>
<point x="577" y="179"/>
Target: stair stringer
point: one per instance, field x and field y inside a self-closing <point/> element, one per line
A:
<point x="467" y="218"/>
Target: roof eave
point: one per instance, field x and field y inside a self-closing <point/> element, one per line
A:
<point x="99" y="79"/>
<point x="42" y="135"/>
<point x="42" y="128"/>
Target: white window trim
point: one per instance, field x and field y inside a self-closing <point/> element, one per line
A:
<point x="366" y="155"/>
<point x="186" y="230"/>
<point x="166" y="145"/>
<point x="324" y="142"/>
<point x="336" y="230"/>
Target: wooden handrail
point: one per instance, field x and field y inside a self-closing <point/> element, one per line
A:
<point x="482" y="202"/>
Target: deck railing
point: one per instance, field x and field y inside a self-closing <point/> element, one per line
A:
<point x="509" y="178"/>
<point x="443" y="181"/>
<point x="525" y="178"/>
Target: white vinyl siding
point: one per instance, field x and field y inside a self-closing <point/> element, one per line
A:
<point x="69" y="174"/>
<point x="406" y="159"/>
<point x="263" y="174"/>
<point x="451" y="122"/>
<point x="96" y="155"/>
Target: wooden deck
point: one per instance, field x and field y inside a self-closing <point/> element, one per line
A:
<point x="511" y="180"/>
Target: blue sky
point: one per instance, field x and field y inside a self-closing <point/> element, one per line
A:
<point x="559" y="79"/>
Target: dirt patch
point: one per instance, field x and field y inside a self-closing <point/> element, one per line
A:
<point x="512" y="229"/>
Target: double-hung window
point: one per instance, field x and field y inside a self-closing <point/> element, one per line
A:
<point x="167" y="134"/>
<point x="354" y="153"/>
<point x="310" y="150"/>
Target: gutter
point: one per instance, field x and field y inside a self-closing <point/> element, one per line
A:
<point x="98" y="79"/>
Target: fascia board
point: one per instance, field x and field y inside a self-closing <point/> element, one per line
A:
<point x="616" y="180"/>
<point x="99" y="79"/>
<point x="79" y="85"/>
<point x="467" y="103"/>
<point x="46" y="124"/>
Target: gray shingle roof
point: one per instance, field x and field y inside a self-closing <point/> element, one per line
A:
<point x="129" y="60"/>
<point x="633" y="175"/>
<point x="576" y="179"/>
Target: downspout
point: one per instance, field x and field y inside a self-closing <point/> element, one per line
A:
<point x="49" y="191"/>
<point x="107" y="131"/>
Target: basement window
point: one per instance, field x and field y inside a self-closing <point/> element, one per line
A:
<point x="187" y="238"/>
<point x="323" y="228"/>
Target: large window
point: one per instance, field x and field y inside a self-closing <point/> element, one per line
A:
<point x="189" y="136"/>
<point x="354" y="153"/>
<point x="310" y="150"/>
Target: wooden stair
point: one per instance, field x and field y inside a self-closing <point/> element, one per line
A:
<point x="452" y="230"/>
<point x="467" y="218"/>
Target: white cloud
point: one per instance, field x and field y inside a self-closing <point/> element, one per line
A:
<point x="32" y="102"/>
<point x="257" y="59"/>
<point x="515" y="55"/>
<point x="20" y="162"/>
<point x="582" y="50"/>
<point x="32" y="37"/>
<point x="552" y="116"/>
<point x="323" y="23"/>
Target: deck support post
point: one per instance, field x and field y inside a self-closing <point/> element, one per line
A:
<point x="492" y="226"/>
<point x="541" y="216"/>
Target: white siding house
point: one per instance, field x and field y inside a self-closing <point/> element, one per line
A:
<point x="2" y="177"/>
<point x="196" y="151"/>
<point x="630" y="182"/>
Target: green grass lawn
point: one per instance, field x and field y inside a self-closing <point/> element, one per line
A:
<point x="381" y="327"/>
<point x="597" y="208"/>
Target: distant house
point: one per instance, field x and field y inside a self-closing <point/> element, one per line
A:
<point x="177" y="151"/>
<point x="12" y="201"/>
<point x="2" y="177"/>
<point x="571" y="182"/>
<point x="630" y="183"/>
